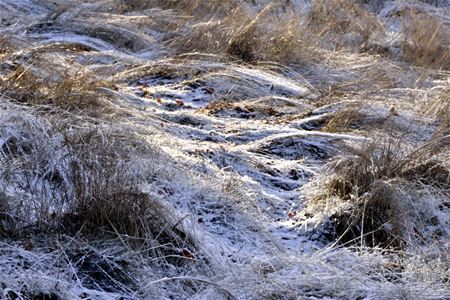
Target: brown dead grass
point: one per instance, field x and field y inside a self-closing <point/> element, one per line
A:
<point x="76" y="90"/>
<point x="250" y="109"/>
<point x="276" y="33"/>
<point x="331" y="24"/>
<point x="426" y="41"/>
<point x="370" y="178"/>
<point x="439" y="109"/>
<point x="331" y="20"/>
<point x="93" y="189"/>
<point x="202" y="9"/>
<point x="6" y="46"/>
<point x="104" y="192"/>
<point x="213" y="35"/>
<point x="345" y="119"/>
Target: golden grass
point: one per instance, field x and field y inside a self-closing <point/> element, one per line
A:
<point x="105" y="192"/>
<point x="439" y="109"/>
<point x="426" y="41"/>
<point x="371" y="178"/>
<point x="46" y="83"/>
<point x="345" y="119"/>
<point x="330" y="20"/>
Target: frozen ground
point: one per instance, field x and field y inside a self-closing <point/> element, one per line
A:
<point x="234" y="152"/>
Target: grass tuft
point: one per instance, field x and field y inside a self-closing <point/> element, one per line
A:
<point x="371" y="181"/>
<point x="43" y="83"/>
<point x="426" y="41"/>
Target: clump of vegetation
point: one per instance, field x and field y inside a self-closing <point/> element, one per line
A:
<point x="426" y="41"/>
<point x="211" y="36"/>
<point x="370" y="182"/>
<point x="223" y="110"/>
<point x="74" y="89"/>
<point x="76" y="180"/>
<point x="287" y="38"/>
<point x="343" y="24"/>
<point x="439" y="109"/>
<point x="5" y="45"/>
<point x="244" y="43"/>
<point x="101" y="188"/>
<point x="345" y="119"/>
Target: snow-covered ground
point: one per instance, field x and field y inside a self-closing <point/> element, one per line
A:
<point x="236" y="154"/>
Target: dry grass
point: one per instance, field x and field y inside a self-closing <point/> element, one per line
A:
<point x="275" y="33"/>
<point x="345" y="119"/>
<point x="426" y="41"/>
<point x="228" y="29"/>
<point x="371" y="180"/>
<point x="76" y="90"/>
<point x="120" y="204"/>
<point x="279" y="34"/>
<point x="104" y="191"/>
<point x="244" y="44"/>
<point x="439" y="109"/>
<point x="210" y="36"/>
<point x="343" y="24"/>
<point x="6" y="46"/>
<point x="123" y="7"/>
<point x="358" y="172"/>
<point x="202" y="9"/>
<point x="79" y="180"/>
